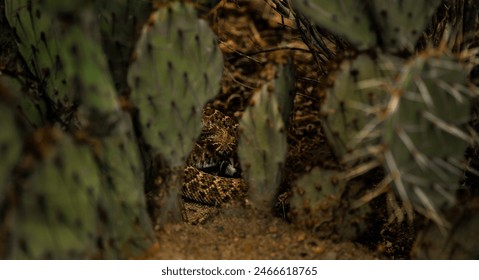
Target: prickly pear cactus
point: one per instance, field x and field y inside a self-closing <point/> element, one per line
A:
<point x="73" y="76"/>
<point x="400" y="23"/>
<point x="124" y="219"/>
<point x="67" y="58"/>
<point x="86" y="68"/>
<point x="427" y="131"/>
<point x="120" y="24"/>
<point x="10" y="148"/>
<point x="38" y="31"/>
<point x="285" y="82"/>
<point x="408" y="117"/>
<point x="354" y="105"/>
<point x="262" y="143"/>
<point x="31" y="108"/>
<point x="67" y="207"/>
<point x="314" y="196"/>
<point x="122" y="202"/>
<point x="177" y="68"/>
<point x="393" y="25"/>
<point x="347" y="18"/>
<point x="56" y="212"/>
<point x="458" y="243"/>
<point x="324" y="202"/>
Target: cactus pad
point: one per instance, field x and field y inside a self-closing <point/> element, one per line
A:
<point x="393" y="25"/>
<point x="177" y="69"/>
<point x="427" y="132"/>
<point x="124" y="218"/>
<point x="314" y="196"/>
<point x="354" y="105"/>
<point x="347" y="17"/>
<point x="120" y="23"/>
<point x="31" y="108"/>
<point x="400" y="23"/>
<point x="56" y="213"/>
<point x="38" y="31"/>
<point x="10" y="148"/>
<point x="262" y="143"/>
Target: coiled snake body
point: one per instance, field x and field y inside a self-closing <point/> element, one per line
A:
<point x="211" y="178"/>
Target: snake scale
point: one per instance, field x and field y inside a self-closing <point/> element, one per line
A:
<point x="210" y="175"/>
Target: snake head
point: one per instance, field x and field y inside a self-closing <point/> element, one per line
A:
<point x="221" y="141"/>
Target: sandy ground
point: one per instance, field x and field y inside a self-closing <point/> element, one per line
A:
<point x="239" y="233"/>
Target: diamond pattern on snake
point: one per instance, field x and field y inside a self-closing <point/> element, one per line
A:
<point x="211" y="176"/>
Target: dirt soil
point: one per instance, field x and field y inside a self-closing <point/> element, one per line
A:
<point x="254" y="40"/>
<point x="242" y="234"/>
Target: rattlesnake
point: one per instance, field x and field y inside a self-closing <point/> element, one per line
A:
<point x="211" y="178"/>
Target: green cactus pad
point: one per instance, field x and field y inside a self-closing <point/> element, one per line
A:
<point x="75" y="205"/>
<point x="409" y="117"/>
<point x="120" y="24"/>
<point x="62" y="7"/>
<point x="400" y="23"/>
<point x="122" y="202"/>
<point x="287" y="84"/>
<point x="321" y="200"/>
<point x="67" y="59"/>
<point x="177" y="69"/>
<point x="313" y="195"/>
<point x="354" y="105"/>
<point x="56" y="213"/>
<point x="10" y="147"/>
<point x="85" y="67"/>
<point x="31" y="108"/>
<point x="394" y="25"/>
<point x="262" y="144"/>
<point x="38" y="31"/>
<point x="427" y="132"/>
<point x="347" y="17"/>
